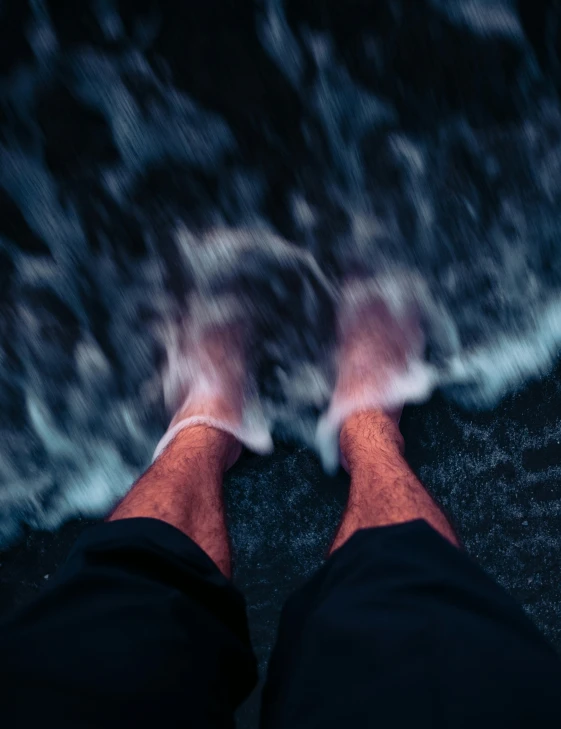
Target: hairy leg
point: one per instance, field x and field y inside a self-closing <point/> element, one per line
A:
<point x="184" y="488"/>
<point x="374" y="349"/>
<point x="384" y="490"/>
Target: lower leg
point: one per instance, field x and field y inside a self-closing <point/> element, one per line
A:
<point x="384" y="490"/>
<point x="184" y="488"/>
<point x="374" y="348"/>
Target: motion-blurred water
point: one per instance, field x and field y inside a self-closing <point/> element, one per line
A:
<point x="262" y="152"/>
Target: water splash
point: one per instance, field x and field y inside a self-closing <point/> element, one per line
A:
<point x="153" y="152"/>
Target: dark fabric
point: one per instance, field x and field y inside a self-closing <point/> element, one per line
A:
<point x="401" y="629"/>
<point x="398" y="629"/>
<point x="139" y="629"/>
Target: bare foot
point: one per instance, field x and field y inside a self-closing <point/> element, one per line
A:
<point x="213" y="383"/>
<point x="374" y="352"/>
<point x="217" y="389"/>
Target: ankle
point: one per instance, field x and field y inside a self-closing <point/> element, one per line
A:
<point x="214" y="450"/>
<point x="369" y="438"/>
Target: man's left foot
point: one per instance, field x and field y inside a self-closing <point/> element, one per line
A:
<point x="211" y="379"/>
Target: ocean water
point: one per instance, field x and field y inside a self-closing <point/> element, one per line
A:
<point x="164" y="161"/>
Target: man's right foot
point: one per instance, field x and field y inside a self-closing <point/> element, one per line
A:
<point x="374" y="347"/>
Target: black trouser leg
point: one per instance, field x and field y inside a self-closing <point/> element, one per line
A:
<point x="401" y="629"/>
<point x="139" y="629"/>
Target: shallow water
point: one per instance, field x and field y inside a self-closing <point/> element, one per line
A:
<point x="262" y="153"/>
